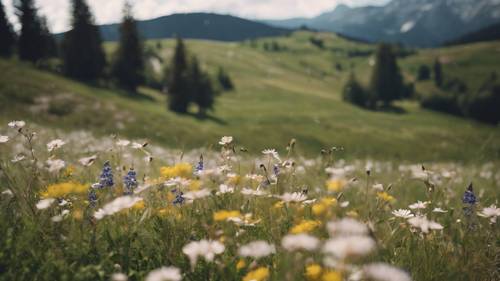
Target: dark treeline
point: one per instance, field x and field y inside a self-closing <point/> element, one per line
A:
<point x="82" y="56"/>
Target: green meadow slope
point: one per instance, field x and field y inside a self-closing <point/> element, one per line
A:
<point x="294" y="93"/>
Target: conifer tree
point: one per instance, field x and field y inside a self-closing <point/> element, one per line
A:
<point x="31" y="36"/>
<point x="438" y="74"/>
<point x="49" y="43"/>
<point x="128" y="65"/>
<point x="7" y="35"/>
<point x="201" y="88"/>
<point x="224" y="80"/>
<point x="386" y="82"/>
<point x="354" y="93"/>
<point x="178" y="80"/>
<point x="82" y="53"/>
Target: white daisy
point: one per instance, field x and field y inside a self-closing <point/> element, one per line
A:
<point x="45" y="203"/>
<point x="119" y="277"/>
<point x="226" y="140"/>
<point x="295" y="242"/>
<point x="419" y="205"/>
<point x="88" y="161"/>
<point x="223" y="189"/>
<point x="115" y="206"/>
<point x="4" y="139"/>
<point x="378" y="187"/>
<point x="403" y="213"/>
<point x="252" y="192"/>
<point x="491" y="212"/>
<point x="198" y="194"/>
<point x="16" y="124"/>
<point x="257" y="249"/>
<point x="439" y="210"/>
<point x="164" y="274"/>
<point x="293" y="197"/>
<point x="272" y="153"/>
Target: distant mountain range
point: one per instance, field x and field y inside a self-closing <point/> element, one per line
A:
<point x="423" y="23"/>
<point x="489" y="33"/>
<point x="198" y="26"/>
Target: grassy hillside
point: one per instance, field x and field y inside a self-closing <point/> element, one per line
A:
<point x="294" y="93"/>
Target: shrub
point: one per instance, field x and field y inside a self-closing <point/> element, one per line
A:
<point x="354" y="93"/>
<point x="443" y="102"/>
<point x="424" y="73"/>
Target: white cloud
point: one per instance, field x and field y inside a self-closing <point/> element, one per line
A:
<point x="108" y="11"/>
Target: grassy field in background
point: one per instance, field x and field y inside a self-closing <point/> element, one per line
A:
<point x="295" y="93"/>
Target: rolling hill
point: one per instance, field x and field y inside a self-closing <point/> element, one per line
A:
<point x="293" y="93"/>
<point x="198" y="26"/>
<point x="489" y="33"/>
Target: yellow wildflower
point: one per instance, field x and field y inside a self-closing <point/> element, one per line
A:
<point x="335" y="185"/>
<point x="279" y="205"/>
<point x="63" y="189"/>
<point x="139" y="205"/>
<point x="240" y="265"/>
<point x="352" y="214"/>
<point x="224" y="215"/>
<point x="234" y="180"/>
<point x="194" y="185"/>
<point x="69" y="171"/>
<point x="77" y="214"/>
<point x="260" y="274"/>
<point x="313" y="272"/>
<point x="183" y="170"/>
<point x="323" y="205"/>
<point x="305" y="226"/>
<point x="332" y="276"/>
<point x="386" y="197"/>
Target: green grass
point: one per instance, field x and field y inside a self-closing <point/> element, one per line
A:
<point x="279" y="96"/>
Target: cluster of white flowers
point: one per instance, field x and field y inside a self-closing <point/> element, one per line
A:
<point x="55" y="144"/>
<point x="226" y="140"/>
<point x="348" y="239"/>
<point x="45" y="203"/>
<point x="117" y="205"/>
<point x="384" y="272"/>
<point x="424" y="224"/>
<point x="55" y="165"/>
<point x="257" y="249"/>
<point x="296" y="197"/>
<point x="4" y="139"/>
<point x="204" y="248"/>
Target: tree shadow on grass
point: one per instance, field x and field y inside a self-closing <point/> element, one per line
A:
<point x="208" y="117"/>
<point x="392" y="109"/>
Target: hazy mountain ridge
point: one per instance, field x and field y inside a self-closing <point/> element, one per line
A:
<point x="412" y="22"/>
<point x="197" y="26"/>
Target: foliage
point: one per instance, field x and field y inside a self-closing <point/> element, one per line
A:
<point x="200" y="87"/>
<point x="7" y="35"/>
<point x="354" y="93"/>
<point x="178" y="80"/>
<point x="438" y="74"/>
<point x="32" y="39"/>
<point x="484" y="105"/>
<point x="128" y="64"/>
<point x="386" y="82"/>
<point x="224" y="80"/>
<point x="82" y="53"/>
<point x="424" y="73"/>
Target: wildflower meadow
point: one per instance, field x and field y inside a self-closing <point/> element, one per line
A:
<point x="79" y="207"/>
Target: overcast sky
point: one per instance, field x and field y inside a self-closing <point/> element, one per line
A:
<point x="109" y="11"/>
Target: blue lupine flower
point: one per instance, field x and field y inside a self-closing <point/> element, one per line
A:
<point x="469" y="197"/>
<point x="130" y="182"/>
<point x="276" y="170"/>
<point x="106" y="178"/>
<point x="179" y="199"/>
<point x="92" y="196"/>
<point x="199" y="167"/>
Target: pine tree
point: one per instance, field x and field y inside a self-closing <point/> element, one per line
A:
<point x="49" y="43"/>
<point x="224" y="80"/>
<point x="82" y="52"/>
<point x="438" y="74"/>
<point x="7" y="35"/>
<point x="178" y="80"/>
<point x="386" y="82"/>
<point x="31" y="37"/>
<point x="201" y="88"/>
<point x="128" y="66"/>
